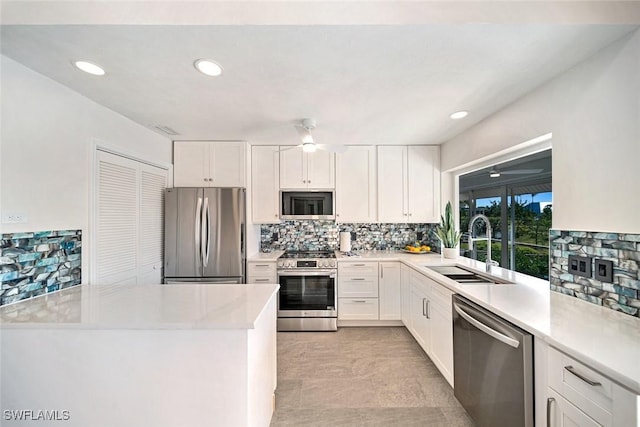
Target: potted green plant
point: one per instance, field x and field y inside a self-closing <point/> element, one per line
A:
<point x="446" y="232"/>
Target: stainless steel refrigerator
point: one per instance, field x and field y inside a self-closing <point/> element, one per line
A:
<point x="204" y="235"/>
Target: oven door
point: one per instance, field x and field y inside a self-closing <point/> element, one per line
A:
<point x="305" y="293"/>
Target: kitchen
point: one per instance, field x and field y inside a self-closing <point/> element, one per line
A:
<point x="591" y="108"/>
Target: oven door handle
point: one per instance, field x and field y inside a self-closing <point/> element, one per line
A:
<point x="330" y="273"/>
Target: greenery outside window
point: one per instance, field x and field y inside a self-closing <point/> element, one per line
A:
<point x="519" y="207"/>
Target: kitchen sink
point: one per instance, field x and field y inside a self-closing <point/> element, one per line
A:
<point x="467" y="277"/>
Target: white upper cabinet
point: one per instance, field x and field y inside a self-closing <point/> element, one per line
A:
<point x="209" y="164"/>
<point x="356" y="185"/>
<point x="423" y="183"/>
<point x="300" y="170"/>
<point x="265" y="181"/>
<point x="408" y="184"/>
<point x="392" y="184"/>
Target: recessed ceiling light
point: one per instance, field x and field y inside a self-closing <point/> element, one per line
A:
<point x="208" y="67"/>
<point x="459" y="115"/>
<point x="90" y="68"/>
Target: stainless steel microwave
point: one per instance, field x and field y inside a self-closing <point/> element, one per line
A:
<point x="307" y="205"/>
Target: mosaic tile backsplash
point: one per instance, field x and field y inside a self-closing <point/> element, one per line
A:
<point x="323" y="235"/>
<point x="622" y="249"/>
<point x="33" y="264"/>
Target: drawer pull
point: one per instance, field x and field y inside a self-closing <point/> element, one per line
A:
<point x="357" y="278"/>
<point x="549" y="402"/>
<point x="261" y="265"/>
<point x="358" y="300"/>
<point x="572" y="370"/>
<point x="359" y="265"/>
<point x="261" y="280"/>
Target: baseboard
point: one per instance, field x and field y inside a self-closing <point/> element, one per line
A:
<point x="355" y="323"/>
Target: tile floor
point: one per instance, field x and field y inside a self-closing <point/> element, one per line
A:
<point x="361" y="377"/>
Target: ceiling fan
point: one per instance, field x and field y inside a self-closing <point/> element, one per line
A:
<point x="308" y="145"/>
<point x="495" y="172"/>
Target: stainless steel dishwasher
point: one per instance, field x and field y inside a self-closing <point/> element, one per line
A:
<point x="492" y="367"/>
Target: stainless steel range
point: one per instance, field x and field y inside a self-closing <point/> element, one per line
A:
<point x="307" y="299"/>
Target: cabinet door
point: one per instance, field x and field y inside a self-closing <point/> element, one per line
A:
<point x="227" y="164"/>
<point x="419" y="320"/>
<point x="423" y="183"/>
<point x="293" y="168"/>
<point x="356" y="185"/>
<point x="405" y="291"/>
<point x="441" y="329"/>
<point x="320" y="169"/>
<point x="392" y="187"/>
<point x="389" y="291"/>
<point x="190" y="164"/>
<point x="561" y="413"/>
<point x="265" y="184"/>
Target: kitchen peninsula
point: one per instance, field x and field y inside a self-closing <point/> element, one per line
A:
<point x="116" y="355"/>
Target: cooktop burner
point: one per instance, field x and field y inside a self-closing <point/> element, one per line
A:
<point x="308" y="254"/>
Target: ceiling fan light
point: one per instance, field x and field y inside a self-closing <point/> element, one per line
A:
<point x="308" y="147"/>
<point x="493" y="173"/>
<point x="307" y="138"/>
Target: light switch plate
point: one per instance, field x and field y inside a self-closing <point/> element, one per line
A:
<point x="603" y="270"/>
<point x="580" y="265"/>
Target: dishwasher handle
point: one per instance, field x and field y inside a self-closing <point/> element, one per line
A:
<point x="487" y="330"/>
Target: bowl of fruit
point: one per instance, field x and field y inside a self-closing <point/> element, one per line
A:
<point x="417" y="248"/>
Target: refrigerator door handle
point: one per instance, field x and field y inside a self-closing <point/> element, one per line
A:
<point x="198" y="226"/>
<point x="208" y="218"/>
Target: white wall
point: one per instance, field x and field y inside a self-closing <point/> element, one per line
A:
<point x="593" y="111"/>
<point x="46" y="143"/>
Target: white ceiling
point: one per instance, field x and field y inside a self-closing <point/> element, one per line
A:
<point x="364" y="84"/>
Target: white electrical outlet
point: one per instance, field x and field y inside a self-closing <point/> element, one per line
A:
<point x="14" y="217"/>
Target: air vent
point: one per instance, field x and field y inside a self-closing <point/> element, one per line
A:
<point x="166" y="130"/>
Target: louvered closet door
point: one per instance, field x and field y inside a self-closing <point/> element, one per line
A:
<point x="153" y="181"/>
<point x="129" y="221"/>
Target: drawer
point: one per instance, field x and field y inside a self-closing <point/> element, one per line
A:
<point x="582" y="386"/>
<point x="359" y="269"/>
<point x="363" y="287"/>
<point x="262" y="279"/>
<point x="261" y="269"/>
<point x="358" y="308"/>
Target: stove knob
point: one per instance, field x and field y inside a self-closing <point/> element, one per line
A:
<point x="291" y="264"/>
<point x="322" y="264"/>
<point x="332" y="263"/>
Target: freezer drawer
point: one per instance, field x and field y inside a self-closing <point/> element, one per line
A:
<point x="202" y="280"/>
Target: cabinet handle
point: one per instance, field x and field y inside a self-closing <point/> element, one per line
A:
<point x="410" y="214"/>
<point x="358" y="265"/>
<point x="404" y="214"/>
<point x="358" y="300"/>
<point x="304" y="181"/>
<point x="357" y="278"/>
<point x="308" y="181"/>
<point x="423" y="307"/>
<point x="582" y="377"/>
<point x="205" y="179"/>
<point x="261" y="280"/>
<point x="261" y="265"/>
<point x="428" y="316"/>
<point x="276" y="215"/>
<point x="549" y="402"/>
<point x="382" y="271"/>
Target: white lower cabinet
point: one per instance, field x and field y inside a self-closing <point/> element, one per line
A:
<point x="389" y="291"/>
<point x="261" y="272"/>
<point x="369" y="291"/>
<point x="405" y="296"/>
<point x="430" y="318"/>
<point x="578" y="395"/>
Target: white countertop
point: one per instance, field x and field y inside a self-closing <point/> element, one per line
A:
<point x="265" y="256"/>
<point x="605" y="339"/>
<point x="183" y="306"/>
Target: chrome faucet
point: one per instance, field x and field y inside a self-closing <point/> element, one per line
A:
<point x="472" y="239"/>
